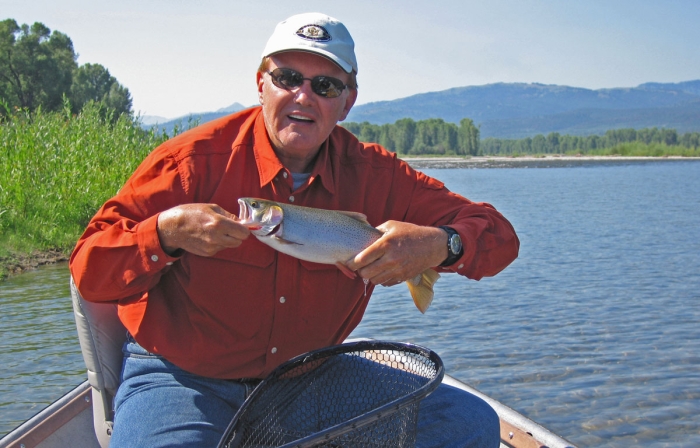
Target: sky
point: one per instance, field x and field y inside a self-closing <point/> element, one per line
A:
<point x="187" y="56"/>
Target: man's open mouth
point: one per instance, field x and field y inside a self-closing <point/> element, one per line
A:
<point x="300" y="119"/>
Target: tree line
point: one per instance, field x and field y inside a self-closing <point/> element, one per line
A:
<point x="437" y="137"/>
<point x="432" y="136"/>
<point x="39" y="70"/>
<point x="554" y="143"/>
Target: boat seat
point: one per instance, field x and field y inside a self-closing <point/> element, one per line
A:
<point x="101" y="335"/>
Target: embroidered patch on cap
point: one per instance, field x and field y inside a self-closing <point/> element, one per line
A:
<point x="314" y="32"/>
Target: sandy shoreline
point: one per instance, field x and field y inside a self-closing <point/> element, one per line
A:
<point x="530" y="162"/>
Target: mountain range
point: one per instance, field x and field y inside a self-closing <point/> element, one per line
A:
<point x="150" y="121"/>
<point x="518" y="110"/>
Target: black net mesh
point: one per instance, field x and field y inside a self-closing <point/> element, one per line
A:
<point x="362" y="394"/>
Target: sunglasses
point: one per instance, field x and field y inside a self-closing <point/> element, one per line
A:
<point x="325" y="86"/>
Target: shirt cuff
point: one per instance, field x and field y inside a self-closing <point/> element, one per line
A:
<point x="153" y="256"/>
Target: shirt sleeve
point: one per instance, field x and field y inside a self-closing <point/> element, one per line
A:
<point x="489" y="240"/>
<point x="119" y="255"/>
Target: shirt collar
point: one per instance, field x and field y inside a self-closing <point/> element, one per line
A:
<point x="269" y="164"/>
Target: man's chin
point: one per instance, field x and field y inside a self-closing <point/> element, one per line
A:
<point x="299" y="142"/>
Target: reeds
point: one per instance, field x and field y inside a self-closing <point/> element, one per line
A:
<point x="56" y="170"/>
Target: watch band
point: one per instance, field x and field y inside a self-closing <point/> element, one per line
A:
<point x="452" y="257"/>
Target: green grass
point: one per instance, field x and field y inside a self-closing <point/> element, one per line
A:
<point x="56" y="170"/>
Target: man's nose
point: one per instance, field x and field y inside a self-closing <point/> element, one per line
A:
<point x="304" y="93"/>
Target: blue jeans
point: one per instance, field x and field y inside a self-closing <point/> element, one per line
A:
<point x="161" y="405"/>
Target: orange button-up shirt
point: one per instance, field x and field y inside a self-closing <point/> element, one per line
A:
<point x="244" y="311"/>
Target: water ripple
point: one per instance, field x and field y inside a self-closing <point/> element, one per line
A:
<point x="594" y="331"/>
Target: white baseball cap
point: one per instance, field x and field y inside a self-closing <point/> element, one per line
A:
<point x="314" y="33"/>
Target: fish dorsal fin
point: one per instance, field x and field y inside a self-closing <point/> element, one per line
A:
<point x="355" y="215"/>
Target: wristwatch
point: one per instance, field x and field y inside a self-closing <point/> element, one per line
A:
<point x="454" y="246"/>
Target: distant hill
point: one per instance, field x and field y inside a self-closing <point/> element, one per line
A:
<point x="517" y="110"/>
<point x="163" y="123"/>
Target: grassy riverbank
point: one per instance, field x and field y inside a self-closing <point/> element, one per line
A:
<point x="56" y="170"/>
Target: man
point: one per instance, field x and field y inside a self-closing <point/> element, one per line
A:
<point x="210" y="310"/>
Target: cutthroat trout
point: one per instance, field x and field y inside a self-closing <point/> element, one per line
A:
<point x="322" y="236"/>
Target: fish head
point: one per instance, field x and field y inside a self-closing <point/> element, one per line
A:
<point x="260" y="216"/>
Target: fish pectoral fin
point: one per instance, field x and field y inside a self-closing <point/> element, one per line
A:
<point x="345" y="270"/>
<point x="283" y="241"/>
<point x="421" y="289"/>
<point x="355" y="215"/>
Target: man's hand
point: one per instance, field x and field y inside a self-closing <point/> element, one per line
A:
<point x="404" y="251"/>
<point x="202" y="229"/>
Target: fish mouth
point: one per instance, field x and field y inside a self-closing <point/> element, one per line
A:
<point x="243" y="213"/>
<point x="259" y="229"/>
<point x="245" y="216"/>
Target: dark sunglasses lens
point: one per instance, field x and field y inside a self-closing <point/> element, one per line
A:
<point x="286" y="78"/>
<point x="327" y="86"/>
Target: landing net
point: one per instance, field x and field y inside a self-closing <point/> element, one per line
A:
<point x="362" y="394"/>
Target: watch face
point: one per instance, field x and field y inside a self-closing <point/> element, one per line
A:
<point x="455" y="244"/>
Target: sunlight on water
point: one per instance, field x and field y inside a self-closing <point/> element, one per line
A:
<point x="594" y="331"/>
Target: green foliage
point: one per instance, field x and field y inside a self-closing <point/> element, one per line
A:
<point x="625" y="142"/>
<point x="426" y="137"/>
<point x="57" y="169"/>
<point x="38" y="69"/>
<point x="436" y="137"/>
<point x="93" y="82"/>
<point x="36" y="66"/>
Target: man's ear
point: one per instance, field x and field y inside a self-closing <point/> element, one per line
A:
<point x="349" y="102"/>
<point x="260" y="81"/>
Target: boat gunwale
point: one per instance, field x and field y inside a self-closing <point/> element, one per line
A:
<point x="43" y="424"/>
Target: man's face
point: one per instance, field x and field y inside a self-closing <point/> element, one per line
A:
<point x="298" y="121"/>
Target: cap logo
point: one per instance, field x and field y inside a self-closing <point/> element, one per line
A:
<point x="314" y="32"/>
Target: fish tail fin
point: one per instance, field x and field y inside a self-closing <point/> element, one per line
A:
<point x="421" y="289"/>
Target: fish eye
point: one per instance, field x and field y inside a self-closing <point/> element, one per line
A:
<point x="254" y="204"/>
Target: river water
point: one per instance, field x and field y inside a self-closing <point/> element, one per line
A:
<point x="594" y="331"/>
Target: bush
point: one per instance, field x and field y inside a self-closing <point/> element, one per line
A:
<point x="56" y="170"/>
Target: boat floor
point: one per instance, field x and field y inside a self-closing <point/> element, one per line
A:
<point x="68" y="423"/>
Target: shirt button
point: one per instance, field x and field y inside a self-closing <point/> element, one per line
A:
<point x="274" y="350"/>
<point x="154" y="258"/>
<point x="169" y="263"/>
<point x="285" y="174"/>
<point x="460" y="266"/>
<point x="291" y="199"/>
<point x="282" y="300"/>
